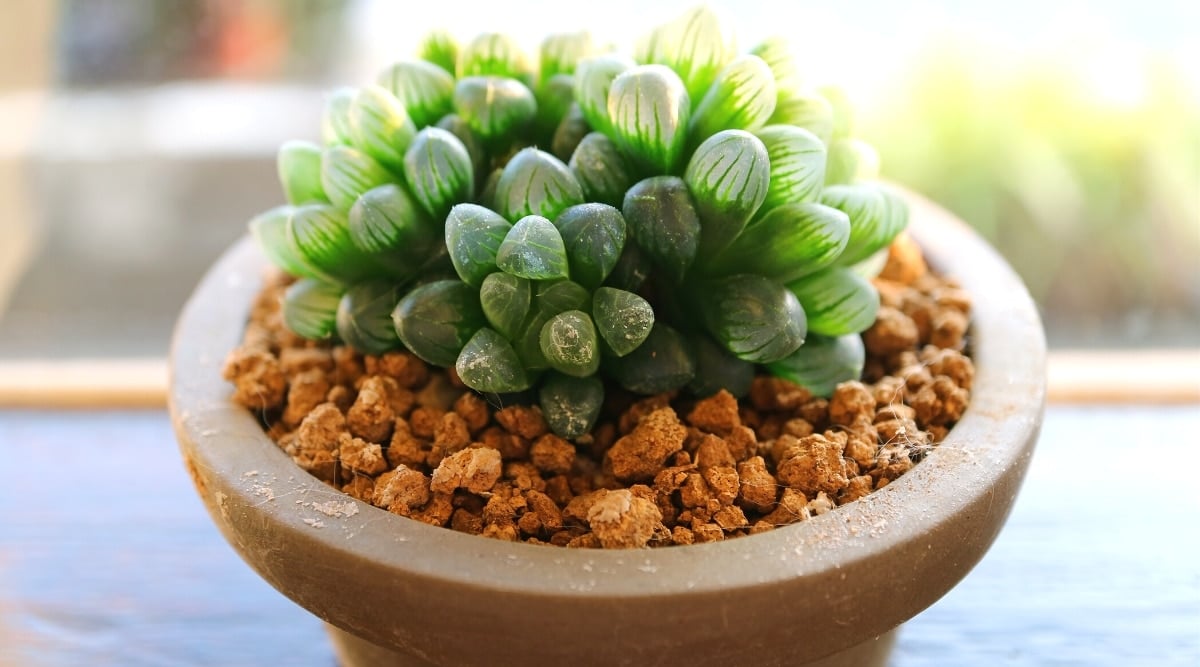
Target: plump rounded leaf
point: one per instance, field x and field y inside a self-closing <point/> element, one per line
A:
<point x="493" y="106"/>
<point x="569" y="134"/>
<point x="346" y="173"/>
<point x="632" y="269"/>
<point x="742" y="98"/>
<point x="533" y="249"/>
<point x="755" y="318"/>
<point x="797" y="165"/>
<point x="364" y="316"/>
<point x="837" y="301"/>
<point x="552" y="297"/>
<point x="649" y="108"/>
<point x="424" y="89"/>
<point x="787" y="242"/>
<point x="851" y="160"/>
<point x="440" y="48"/>
<point x="806" y="109"/>
<point x="662" y="363"/>
<point x="571" y="405"/>
<point x="310" y="308"/>
<point x="492" y="54"/>
<point x="506" y="300"/>
<point x="319" y="235"/>
<point x="876" y="216"/>
<point x="269" y="229"/>
<point x="438" y="169"/>
<point x="299" y="167"/>
<point x="455" y="125"/>
<point x="623" y="319"/>
<point x="775" y="52"/>
<point x="823" y="362"/>
<point x="335" y="118"/>
<point x="728" y="177"/>
<point x="380" y="126"/>
<point x="387" y="222"/>
<point x="435" y="320"/>
<point x="593" y="79"/>
<point x="695" y="46"/>
<point x="488" y="363"/>
<point x="562" y="52"/>
<point x="569" y="343"/>
<point x="662" y="220"/>
<point x="535" y="182"/>
<point x="554" y="99"/>
<point x="601" y="171"/>
<point x="594" y="236"/>
<point x="717" y="369"/>
<point x="473" y="238"/>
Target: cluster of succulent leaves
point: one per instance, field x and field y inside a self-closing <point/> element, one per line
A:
<point x="700" y="214"/>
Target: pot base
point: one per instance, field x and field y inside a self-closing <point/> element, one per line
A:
<point x="352" y="651"/>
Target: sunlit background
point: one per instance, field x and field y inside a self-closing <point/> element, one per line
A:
<point x="138" y="136"/>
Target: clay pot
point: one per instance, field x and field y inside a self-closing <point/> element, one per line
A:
<point x="829" y="591"/>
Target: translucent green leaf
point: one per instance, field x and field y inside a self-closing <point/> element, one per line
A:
<point x="492" y="54"/>
<point x="571" y="405"/>
<point x="876" y="216"/>
<point x="439" y="171"/>
<point x="440" y="48"/>
<point x="493" y="106"/>
<point x="388" y="222"/>
<point x="649" y="108"/>
<point x="533" y="249"/>
<point x="380" y="126"/>
<point x="535" y="182"/>
<point x="822" y="363"/>
<point x="554" y="100"/>
<point x="788" y="242"/>
<point x="488" y="363"/>
<point x="837" y="301"/>
<point x="775" y="52"/>
<point x="506" y="300"/>
<point x="424" y="89"/>
<point x="755" y="318"/>
<point x="569" y="343"/>
<point x="299" y="167"/>
<point x="728" y="177"/>
<point x="742" y="97"/>
<point x="529" y="343"/>
<point x="435" y="320"/>
<point x="269" y="229"/>
<point x="632" y="269"/>
<point x="623" y="319"/>
<point x="455" y="125"/>
<point x="662" y="363"/>
<point x="364" y="316"/>
<point x="562" y="52"/>
<point x="594" y="236"/>
<point x="335" y="118"/>
<point x="797" y="165"/>
<point x="601" y="171"/>
<point x="717" y="369"/>
<point x="552" y="297"/>
<point x="319" y="235"/>
<point x="806" y="109"/>
<point x="695" y="46"/>
<point x="663" y="222"/>
<point x="569" y="134"/>
<point x="346" y="173"/>
<point x="473" y="238"/>
<point x="593" y="80"/>
<point x="487" y="194"/>
<point x="851" y="160"/>
<point x="310" y="308"/>
<point x="843" y="111"/>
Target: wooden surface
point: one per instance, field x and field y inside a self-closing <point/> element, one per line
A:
<point x="108" y="558"/>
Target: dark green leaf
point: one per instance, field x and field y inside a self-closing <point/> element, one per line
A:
<point x="876" y="215"/>
<point x="269" y="229"/>
<point x="488" y="363"/>
<point x="455" y="125"/>
<point x="797" y="165"/>
<point x="728" y="177"/>
<point x="663" y="222"/>
<point x="425" y="89"/>
<point x="506" y="301"/>
<point x="601" y="171"/>
<point x="554" y="100"/>
<point x="310" y="308"/>
<point x="717" y="369"/>
<point x="649" y="108"/>
<point x="346" y="173"/>
<point x="805" y="109"/>
<point x="788" y="242"/>
<point x="299" y="167"/>
<point x="435" y="320"/>
<point x="552" y="297"/>
<point x="335" y="118"/>
<point x="438" y="169"/>
<point x="632" y="269"/>
<point x="364" y="316"/>
<point x="473" y="238"/>
<point x="440" y="48"/>
<point x="387" y="222"/>
<point x="741" y="98"/>
<point x="837" y="301"/>
<point x="571" y="405"/>
<point x="662" y="363"/>
<point x="594" y="236"/>
<point x="380" y="126"/>
<point x="623" y="319"/>
<point x="755" y="318"/>
<point x="319" y="235"/>
<point x="593" y="79"/>
<point x="533" y="249"/>
<point x="494" y="107"/>
<point x="569" y="134"/>
<point x="535" y="182"/>
<point x="569" y="343"/>
<point x="492" y="54"/>
<point x="487" y="194"/>
<point x="823" y="362"/>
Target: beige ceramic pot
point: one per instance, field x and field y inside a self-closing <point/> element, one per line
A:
<point x="829" y="591"/>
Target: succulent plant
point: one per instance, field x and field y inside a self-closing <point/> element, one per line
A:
<point x="683" y="218"/>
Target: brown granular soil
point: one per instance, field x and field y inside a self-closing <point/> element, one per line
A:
<point x="656" y="471"/>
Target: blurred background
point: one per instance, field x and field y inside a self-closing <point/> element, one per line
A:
<point x="138" y="136"/>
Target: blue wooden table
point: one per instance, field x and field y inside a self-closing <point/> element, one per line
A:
<point x="108" y="558"/>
